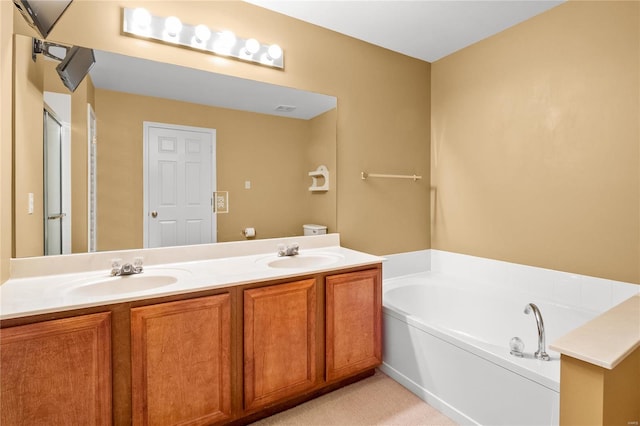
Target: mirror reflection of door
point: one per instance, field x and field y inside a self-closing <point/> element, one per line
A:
<point x="180" y="181"/>
<point x="57" y="177"/>
<point x="53" y="214"/>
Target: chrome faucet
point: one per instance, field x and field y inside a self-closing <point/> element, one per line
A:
<point x="540" y="353"/>
<point x="127" y="268"/>
<point x="288" y="250"/>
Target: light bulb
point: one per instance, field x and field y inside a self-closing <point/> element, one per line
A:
<point x="173" y="26"/>
<point x="203" y="33"/>
<point x="224" y="43"/>
<point x="274" y="52"/>
<point x="252" y="46"/>
<point x="141" y="21"/>
<point x="227" y="37"/>
<point x="141" y="17"/>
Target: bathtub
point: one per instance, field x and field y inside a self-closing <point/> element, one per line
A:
<point x="446" y="338"/>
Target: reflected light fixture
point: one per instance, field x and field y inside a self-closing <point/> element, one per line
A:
<point x="140" y="23"/>
<point x="172" y="28"/>
<point x="202" y="34"/>
<point x="251" y="46"/>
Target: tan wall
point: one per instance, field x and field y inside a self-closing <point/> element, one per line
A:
<point x="271" y="153"/>
<point x="383" y="123"/>
<point x="535" y="143"/>
<point x="6" y="126"/>
<point x="28" y="110"/>
<point x="322" y="151"/>
<point x="52" y="82"/>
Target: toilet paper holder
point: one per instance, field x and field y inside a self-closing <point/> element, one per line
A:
<point x="249" y="232"/>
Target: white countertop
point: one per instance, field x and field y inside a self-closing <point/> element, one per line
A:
<point x="607" y="339"/>
<point x="32" y="293"/>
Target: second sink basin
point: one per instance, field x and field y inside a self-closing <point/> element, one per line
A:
<point x="302" y="260"/>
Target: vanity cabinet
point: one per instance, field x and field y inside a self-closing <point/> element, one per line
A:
<point x="57" y="372"/>
<point x="219" y="356"/>
<point x="353" y="322"/>
<point x="279" y="342"/>
<point x="181" y="362"/>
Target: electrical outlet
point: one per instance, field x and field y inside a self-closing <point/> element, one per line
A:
<point x="30" y="206"/>
<point x="247" y="184"/>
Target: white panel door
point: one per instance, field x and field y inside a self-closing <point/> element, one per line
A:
<point x="180" y="185"/>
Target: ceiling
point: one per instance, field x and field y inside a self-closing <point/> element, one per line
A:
<point x="423" y="29"/>
<point x="128" y="74"/>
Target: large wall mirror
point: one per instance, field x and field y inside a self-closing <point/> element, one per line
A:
<point x="89" y="155"/>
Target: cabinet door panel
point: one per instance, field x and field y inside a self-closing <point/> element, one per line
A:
<point x="279" y="341"/>
<point x="181" y="366"/>
<point x="57" y="372"/>
<point x="353" y="316"/>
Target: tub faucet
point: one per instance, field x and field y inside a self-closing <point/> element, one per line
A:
<point x="540" y="353"/>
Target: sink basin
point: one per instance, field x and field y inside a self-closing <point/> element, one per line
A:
<point x="302" y="261"/>
<point x="105" y="286"/>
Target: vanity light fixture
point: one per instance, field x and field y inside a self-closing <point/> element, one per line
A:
<point x="140" y="23"/>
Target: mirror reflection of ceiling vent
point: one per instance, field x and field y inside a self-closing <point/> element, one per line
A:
<point x="285" y="108"/>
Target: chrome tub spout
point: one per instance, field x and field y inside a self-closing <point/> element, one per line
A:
<point x="540" y="353"/>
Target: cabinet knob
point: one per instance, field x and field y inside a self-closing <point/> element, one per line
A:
<point x="154" y="214"/>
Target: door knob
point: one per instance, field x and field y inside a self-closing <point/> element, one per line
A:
<point x="154" y="214"/>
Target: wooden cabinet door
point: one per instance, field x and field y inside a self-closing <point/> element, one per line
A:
<point x="181" y="368"/>
<point x="57" y="372"/>
<point x="279" y="341"/>
<point x="353" y="322"/>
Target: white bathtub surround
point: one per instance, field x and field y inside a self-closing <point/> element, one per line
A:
<point x="565" y="288"/>
<point x="44" y="285"/>
<point x="448" y="322"/>
<point x="396" y="265"/>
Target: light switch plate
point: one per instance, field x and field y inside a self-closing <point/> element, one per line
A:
<point x="221" y="201"/>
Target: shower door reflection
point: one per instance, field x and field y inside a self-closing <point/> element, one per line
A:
<point x="53" y="214"/>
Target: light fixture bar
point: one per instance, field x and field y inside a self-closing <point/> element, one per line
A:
<point x="140" y="23"/>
